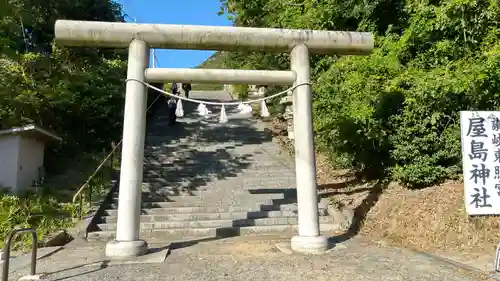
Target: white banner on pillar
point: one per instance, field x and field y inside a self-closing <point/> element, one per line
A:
<point x="480" y="135"/>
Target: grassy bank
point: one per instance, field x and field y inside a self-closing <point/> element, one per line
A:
<point x="49" y="208"/>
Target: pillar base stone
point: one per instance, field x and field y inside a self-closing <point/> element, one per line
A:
<point x="125" y="249"/>
<point x="309" y="244"/>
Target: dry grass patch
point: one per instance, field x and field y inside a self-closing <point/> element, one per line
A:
<point x="432" y="219"/>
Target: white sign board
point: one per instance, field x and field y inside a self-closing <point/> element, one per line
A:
<point x="480" y="134"/>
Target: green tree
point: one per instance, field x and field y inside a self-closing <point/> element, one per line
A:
<point x="76" y="92"/>
<point x="396" y="111"/>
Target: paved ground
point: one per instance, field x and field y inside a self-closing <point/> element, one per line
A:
<point x="256" y="258"/>
<point x="250" y="257"/>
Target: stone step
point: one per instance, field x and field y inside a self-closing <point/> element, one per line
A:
<point x="159" y="127"/>
<point x="162" y="116"/>
<point x="184" y="189"/>
<point x="184" y="234"/>
<point x="160" y="130"/>
<point x="159" y="122"/>
<point x="206" y="164"/>
<point x="203" y="203"/>
<point x="273" y="189"/>
<point x="240" y="179"/>
<point x="207" y="196"/>
<point x="157" y="139"/>
<point x="208" y="216"/>
<point x="209" y="209"/>
<point x="213" y="223"/>
<point x="173" y="175"/>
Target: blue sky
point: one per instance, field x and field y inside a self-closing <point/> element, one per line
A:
<point x="197" y="12"/>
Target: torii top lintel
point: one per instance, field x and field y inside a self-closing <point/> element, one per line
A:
<point x="219" y="38"/>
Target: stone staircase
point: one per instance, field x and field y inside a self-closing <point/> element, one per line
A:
<point x="203" y="179"/>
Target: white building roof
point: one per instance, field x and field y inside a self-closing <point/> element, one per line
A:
<point x="31" y="130"/>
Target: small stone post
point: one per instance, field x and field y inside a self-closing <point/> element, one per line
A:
<point x="288" y="114"/>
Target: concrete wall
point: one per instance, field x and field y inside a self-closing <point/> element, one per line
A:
<point x="20" y="160"/>
<point x="9" y="152"/>
<point x="30" y="159"/>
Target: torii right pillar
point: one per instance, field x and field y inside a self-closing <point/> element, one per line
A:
<point x="308" y="239"/>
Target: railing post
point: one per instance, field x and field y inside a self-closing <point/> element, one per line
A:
<point x="91" y="190"/>
<point x="112" y="161"/>
<point x="80" y="207"/>
<point x="103" y="170"/>
<point x="8" y="242"/>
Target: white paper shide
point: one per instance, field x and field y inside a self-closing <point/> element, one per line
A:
<point x="480" y="134"/>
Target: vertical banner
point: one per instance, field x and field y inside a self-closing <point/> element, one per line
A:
<point x="480" y="137"/>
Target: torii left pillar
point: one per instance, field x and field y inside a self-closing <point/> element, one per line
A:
<point x="127" y="242"/>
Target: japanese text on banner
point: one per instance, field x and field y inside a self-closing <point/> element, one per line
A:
<point x="480" y="133"/>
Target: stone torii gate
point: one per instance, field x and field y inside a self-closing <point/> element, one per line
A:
<point x="139" y="38"/>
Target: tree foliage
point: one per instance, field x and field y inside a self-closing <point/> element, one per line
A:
<point x="78" y="92"/>
<point x="395" y="112"/>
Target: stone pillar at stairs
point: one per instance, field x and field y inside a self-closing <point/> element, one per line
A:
<point x="288" y="114"/>
<point x="261" y="92"/>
